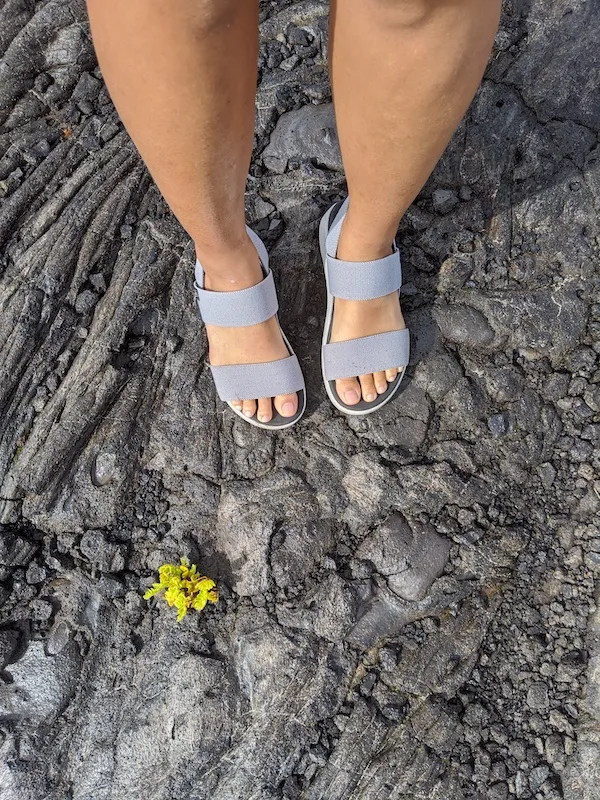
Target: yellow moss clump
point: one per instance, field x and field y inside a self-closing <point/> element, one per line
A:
<point x="184" y="588"/>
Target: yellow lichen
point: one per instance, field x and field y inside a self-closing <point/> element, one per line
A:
<point x="183" y="587"/>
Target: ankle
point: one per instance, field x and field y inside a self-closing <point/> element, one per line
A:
<point x="361" y="243"/>
<point x="229" y="267"/>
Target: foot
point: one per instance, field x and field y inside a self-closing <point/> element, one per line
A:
<point x="245" y="345"/>
<point x="355" y="318"/>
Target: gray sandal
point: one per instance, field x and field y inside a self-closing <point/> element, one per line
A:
<point x="252" y="381"/>
<point x="364" y="280"/>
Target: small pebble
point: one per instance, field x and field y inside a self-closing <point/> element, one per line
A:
<point x="103" y="468"/>
<point x="444" y="200"/>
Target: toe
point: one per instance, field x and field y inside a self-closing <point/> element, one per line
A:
<point x="249" y="408"/>
<point x="380" y="382"/>
<point x="237" y="404"/>
<point x="367" y="384"/>
<point x="391" y="374"/>
<point x="286" y="404"/>
<point x="348" y="390"/>
<point x="265" y="409"/>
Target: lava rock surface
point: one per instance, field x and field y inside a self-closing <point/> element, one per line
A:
<point x="407" y="604"/>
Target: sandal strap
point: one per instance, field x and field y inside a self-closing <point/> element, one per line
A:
<point x="359" y="280"/>
<point x="242" y="308"/>
<point x="364" y="280"/>
<point x="238" y="309"/>
<point x="251" y="381"/>
<point x="367" y="354"/>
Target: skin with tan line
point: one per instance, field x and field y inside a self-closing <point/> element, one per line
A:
<point x="182" y="76"/>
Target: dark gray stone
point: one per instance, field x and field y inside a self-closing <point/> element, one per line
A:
<point x="537" y="696"/>
<point x="308" y="134"/>
<point x="289" y="63"/>
<point x="87" y="87"/>
<point x="409" y="558"/>
<point x="499" y="424"/>
<point x="8" y="646"/>
<point x="106" y="556"/>
<point x="42" y="685"/>
<point x="444" y="200"/>
<point x="402" y="423"/>
<point x="103" y="468"/>
<point x="297" y="551"/>
<point x="463" y="325"/>
<point x="85" y="301"/>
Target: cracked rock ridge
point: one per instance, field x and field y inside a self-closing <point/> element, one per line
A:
<point x="407" y="603"/>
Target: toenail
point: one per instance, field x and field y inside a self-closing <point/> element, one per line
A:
<point x="351" y="396"/>
<point x="381" y="389"/>
<point x="248" y="414"/>
<point x="370" y="397"/>
<point x="288" y="409"/>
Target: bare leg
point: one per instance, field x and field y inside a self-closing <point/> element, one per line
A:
<point x="403" y="72"/>
<point x="182" y="76"/>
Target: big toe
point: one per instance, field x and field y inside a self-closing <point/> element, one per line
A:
<point x="286" y="404"/>
<point x="348" y="390"/>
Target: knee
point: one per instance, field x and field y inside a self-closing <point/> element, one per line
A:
<point x="409" y="13"/>
<point x="210" y="15"/>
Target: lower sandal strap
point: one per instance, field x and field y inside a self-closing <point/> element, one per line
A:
<point x="252" y="381"/>
<point x="365" y="355"/>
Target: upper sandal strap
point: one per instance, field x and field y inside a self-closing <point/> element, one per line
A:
<point x="365" y="355"/>
<point x="237" y="309"/>
<point x="251" y="381"/>
<point x="244" y="307"/>
<point x="359" y="280"/>
<point x="364" y="280"/>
